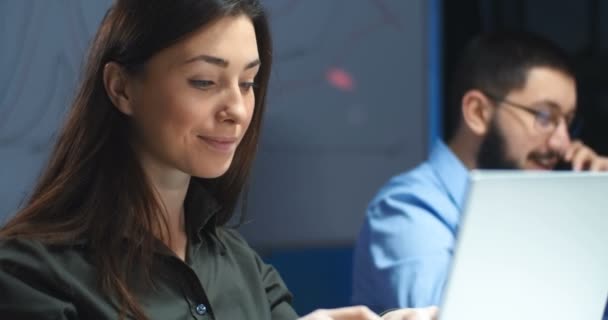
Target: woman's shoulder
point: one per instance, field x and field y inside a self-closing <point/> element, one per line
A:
<point x="232" y="239"/>
<point x="233" y="243"/>
<point x="24" y="258"/>
<point x="33" y="280"/>
<point x="16" y="249"/>
<point x="231" y="234"/>
<point x="32" y="254"/>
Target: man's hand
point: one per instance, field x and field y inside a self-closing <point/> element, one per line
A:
<point x="429" y="313"/>
<point x="583" y="158"/>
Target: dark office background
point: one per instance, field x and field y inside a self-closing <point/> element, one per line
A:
<point x="356" y="96"/>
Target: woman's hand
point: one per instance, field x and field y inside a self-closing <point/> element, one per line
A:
<point x="363" y="313"/>
<point x="347" y="313"/>
<point x="429" y="313"/>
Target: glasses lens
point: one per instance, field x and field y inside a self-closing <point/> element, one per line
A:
<point x="545" y="120"/>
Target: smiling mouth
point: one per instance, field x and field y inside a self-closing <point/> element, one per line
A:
<point x="545" y="162"/>
<point x="220" y="144"/>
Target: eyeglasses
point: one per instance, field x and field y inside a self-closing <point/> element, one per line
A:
<point x="546" y="117"/>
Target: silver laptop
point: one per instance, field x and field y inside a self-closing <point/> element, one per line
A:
<point x="532" y="245"/>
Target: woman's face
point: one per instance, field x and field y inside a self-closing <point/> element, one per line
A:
<point x="194" y="101"/>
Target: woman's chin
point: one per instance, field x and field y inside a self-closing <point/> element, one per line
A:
<point x="210" y="172"/>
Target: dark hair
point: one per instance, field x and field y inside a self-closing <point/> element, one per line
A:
<point x="498" y="63"/>
<point x="76" y="196"/>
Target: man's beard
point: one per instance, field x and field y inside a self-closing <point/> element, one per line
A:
<point x="492" y="153"/>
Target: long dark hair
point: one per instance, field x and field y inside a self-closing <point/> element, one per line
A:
<point x="93" y="185"/>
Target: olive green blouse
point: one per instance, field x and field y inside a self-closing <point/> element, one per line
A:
<point x="222" y="278"/>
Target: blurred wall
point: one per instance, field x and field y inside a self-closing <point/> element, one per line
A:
<point x="42" y="46"/>
<point x="348" y="109"/>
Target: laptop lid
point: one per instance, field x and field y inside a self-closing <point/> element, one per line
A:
<point x="532" y="245"/>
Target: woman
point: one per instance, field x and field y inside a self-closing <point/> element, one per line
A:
<point x="127" y="219"/>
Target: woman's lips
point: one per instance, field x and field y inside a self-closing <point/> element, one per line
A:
<point x="221" y="144"/>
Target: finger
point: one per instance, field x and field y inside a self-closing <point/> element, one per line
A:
<point x="352" y="313"/>
<point x="316" y="315"/>
<point x="433" y="312"/>
<point x="582" y="158"/>
<point x="428" y="313"/>
<point x="572" y="149"/>
<point x="600" y="164"/>
<point x="404" y="314"/>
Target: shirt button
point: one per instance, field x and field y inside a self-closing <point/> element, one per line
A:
<point x="201" y="309"/>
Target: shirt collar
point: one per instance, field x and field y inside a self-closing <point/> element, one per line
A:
<point x="200" y="208"/>
<point x="451" y="172"/>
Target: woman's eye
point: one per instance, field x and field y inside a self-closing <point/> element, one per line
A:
<point x="202" y="84"/>
<point x="248" y="85"/>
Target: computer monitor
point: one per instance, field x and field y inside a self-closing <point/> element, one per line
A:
<point x="532" y="245"/>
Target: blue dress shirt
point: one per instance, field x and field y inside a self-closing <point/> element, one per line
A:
<point x="405" y="247"/>
<point x="403" y="253"/>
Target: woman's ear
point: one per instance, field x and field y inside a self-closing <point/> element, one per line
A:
<point x="115" y="81"/>
<point x="476" y="111"/>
